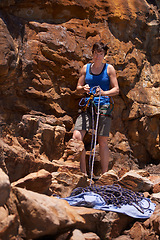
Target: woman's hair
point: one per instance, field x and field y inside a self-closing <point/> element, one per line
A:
<point x="99" y="47"/>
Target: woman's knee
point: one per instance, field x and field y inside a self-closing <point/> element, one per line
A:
<point x="78" y="135"/>
<point x="103" y="141"/>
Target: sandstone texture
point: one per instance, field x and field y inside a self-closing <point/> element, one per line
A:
<point x="4" y="187"/>
<point x="43" y="45"/>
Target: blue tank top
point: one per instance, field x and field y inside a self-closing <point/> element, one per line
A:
<point x="102" y="80"/>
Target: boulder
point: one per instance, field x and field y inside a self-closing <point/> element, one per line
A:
<point x="2" y="160"/>
<point x="63" y="183"/>
<point x="91" y="236"/>
<point x="36" y="182"/>
<point x="153" y="223"/>
<point x="69" y="166"/>
<point x="156" y="183"/>
<point x="73" y="150"/>
<point x="9" y="227"/>
<point x="107" y="225"/>
<point x="17" y="157"/>
<point x="123" y="237"/>
<point x="137" y="231"/>
<point x="77" y="235"/>
<point x="4" y="187"/>
<point x="42" y="215"/>
<point x="132" y="180"/>
<point x="108" y="178"/>
<point x="3" y="213"/>
<point x="156" y="197"/>
<point x="53" y="141"/>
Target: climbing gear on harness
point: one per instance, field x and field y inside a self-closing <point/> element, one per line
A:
<point x="115" y="195"/>
<point x="84" y="107"/>
<point x="105" y="110"/>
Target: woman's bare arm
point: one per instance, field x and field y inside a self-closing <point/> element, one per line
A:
<point x="81" y="86"/>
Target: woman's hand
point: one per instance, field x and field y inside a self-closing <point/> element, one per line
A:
<point x="86" y="88"/>
<point x="99" y="91"/>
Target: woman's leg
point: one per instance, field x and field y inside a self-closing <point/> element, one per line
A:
<point x="79" y="135"/>
<point x="104" y="152"/>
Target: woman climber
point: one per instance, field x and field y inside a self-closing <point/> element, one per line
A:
<point x="99" y="82"/>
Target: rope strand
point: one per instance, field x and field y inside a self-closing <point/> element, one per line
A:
<point x="95" y="136"/>
<point x="90" y="156"/>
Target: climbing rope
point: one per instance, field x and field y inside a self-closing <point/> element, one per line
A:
<point x="95" y="135"/>
<point x="92" y="140"/>
<point x="115" y="195"/>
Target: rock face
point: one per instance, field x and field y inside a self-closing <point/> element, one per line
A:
<point x="43" y="45"/>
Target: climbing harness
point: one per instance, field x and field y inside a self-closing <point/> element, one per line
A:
<point x="116" y="195"/>
<point x="98" y="111"/>
<point x="90" y="101"/>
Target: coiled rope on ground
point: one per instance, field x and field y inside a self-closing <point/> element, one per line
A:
<point x="115" y="195"/>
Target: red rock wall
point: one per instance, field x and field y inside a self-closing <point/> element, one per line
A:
<point x="43" y="46"/>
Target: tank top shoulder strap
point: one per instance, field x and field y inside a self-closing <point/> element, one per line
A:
<point x="106" y="67"/>
<point x="88" y="67"/>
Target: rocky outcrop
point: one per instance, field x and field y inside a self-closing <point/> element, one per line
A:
<point x="43" y="46"/>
